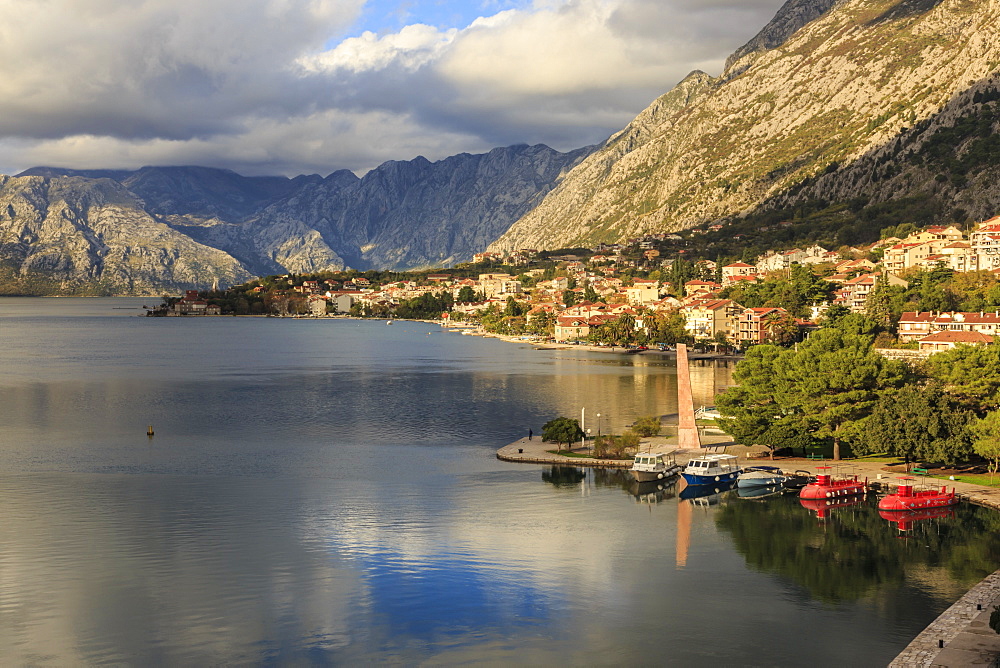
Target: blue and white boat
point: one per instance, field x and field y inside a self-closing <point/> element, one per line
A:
<point x="711" y="469"/>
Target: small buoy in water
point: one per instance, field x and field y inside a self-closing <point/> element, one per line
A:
<point x="149" y="430"/>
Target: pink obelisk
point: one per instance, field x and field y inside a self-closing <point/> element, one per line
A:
<point x="687" y="431"/>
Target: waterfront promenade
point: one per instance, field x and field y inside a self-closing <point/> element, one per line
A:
<point x="960" y="637"/>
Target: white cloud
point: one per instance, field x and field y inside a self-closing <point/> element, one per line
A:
<point x="249" y="84"/>
<point x="410" y="48"/>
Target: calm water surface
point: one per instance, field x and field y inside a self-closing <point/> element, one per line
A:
<point x="327" y="492"/>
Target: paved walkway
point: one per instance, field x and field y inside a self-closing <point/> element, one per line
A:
<point x="959" y="637"/>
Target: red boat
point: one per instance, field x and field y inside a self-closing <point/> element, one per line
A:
<point x="906" y="518"/>
<point x="827" y="487"/>
<point x="907" y="498"/>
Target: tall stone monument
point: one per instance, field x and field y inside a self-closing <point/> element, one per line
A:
<point x="687" y="430"/>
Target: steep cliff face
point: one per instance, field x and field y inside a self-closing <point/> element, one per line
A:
<point x="75" y="235"/>
<point x="410" y="214"/>
<point x="839" y="89"/>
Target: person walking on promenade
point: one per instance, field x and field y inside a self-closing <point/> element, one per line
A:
<point x="530" y="434"/>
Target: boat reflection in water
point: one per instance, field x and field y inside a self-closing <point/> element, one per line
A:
<point x="758" y="492"/>
<point x="822" y="507"/>
<point x="707" y="494"/>
<point x="654" y="491"/>
<point x="905" y="519"/>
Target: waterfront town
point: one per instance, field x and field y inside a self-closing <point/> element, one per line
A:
<point x="934" y="288"/>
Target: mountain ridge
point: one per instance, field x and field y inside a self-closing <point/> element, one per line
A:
<point x="402" y="214"/>
<point x="839" y="87"/>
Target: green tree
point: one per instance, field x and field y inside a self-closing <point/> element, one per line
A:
<point x="971" y="373"/>
<point x="857" y="324"/>
<point x="568" y="297"/>
<point x="466" y="294"/>
<point x="647" y="426"/>
<point x="885" y="304"/>
<point x="918" y="423"/>
<point x="542" y="324"/>
<point x="986" y="438"/>
<point x="666" y="327"/>
<point x="781" y="328"/>
<point x="752" y="412"/>
<point x="822" y="388"/>
<point x="833" y="315"/>
<point x="833" y="380"/>
<point x="562" y="430"/>
<point x="514" y="307"/>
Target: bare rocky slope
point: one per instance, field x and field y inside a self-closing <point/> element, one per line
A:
<point x="838" y="106"/>
<point x="169" y="228"/>
<point x="91" y="236"/>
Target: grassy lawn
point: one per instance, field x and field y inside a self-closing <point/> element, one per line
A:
<point x="566" y="453"/>
<point x="984" y="479"/>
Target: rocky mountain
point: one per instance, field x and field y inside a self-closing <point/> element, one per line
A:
<point x="410" y="214"/>
<point x="169" y="228"/>
<point x="79" y="235"/>
<point x="853" y="99"/>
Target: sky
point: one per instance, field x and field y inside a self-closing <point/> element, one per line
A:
<point x="312" y="86"/>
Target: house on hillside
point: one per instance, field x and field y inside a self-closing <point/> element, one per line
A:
<point x="731" y="273"/>
<point x="985" y="241"/>
<point x="706" y="318"/>
<point x="695" y="287"/>
<point x="946" y="340"/>
<point x="754" y="324"/>
<point x="914" y="326"/>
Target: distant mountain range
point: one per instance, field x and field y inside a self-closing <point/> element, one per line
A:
<point x="838" y="100"/>
<point x="170" y="228"/>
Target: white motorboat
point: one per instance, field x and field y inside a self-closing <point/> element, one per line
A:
<point x="761" y="476"/>
<point x="649" y="467"/>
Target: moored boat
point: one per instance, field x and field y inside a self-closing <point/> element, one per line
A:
<point x="798" y="480"/>
<point x="711" y="469"/>
<point x="651" y="467"/>
<point x="761" y="476"/>
<point x="907" y="498"/>
<point x="828" y="487"/>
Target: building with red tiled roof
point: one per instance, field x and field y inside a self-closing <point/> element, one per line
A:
<point x="913" y="326"/>
<point x="738" y="271"/>
<point x="696" y="286"/>
<point x="854" y="292"/>
<point x="946" y="340"/>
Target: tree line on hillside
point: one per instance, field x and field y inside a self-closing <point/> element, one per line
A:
<point x="834" y="392"/>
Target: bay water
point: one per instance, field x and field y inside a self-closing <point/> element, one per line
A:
<point x="326" y="492"/>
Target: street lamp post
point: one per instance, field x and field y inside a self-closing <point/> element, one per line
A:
<point x="598" y="425"/>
